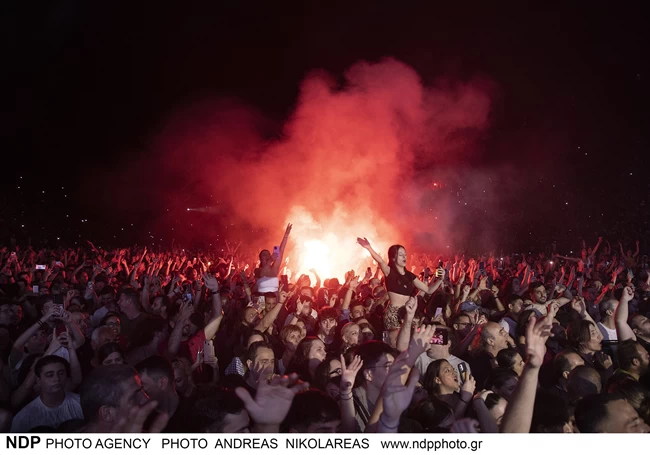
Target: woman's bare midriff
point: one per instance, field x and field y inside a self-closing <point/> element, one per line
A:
<point x="398" y="300"/>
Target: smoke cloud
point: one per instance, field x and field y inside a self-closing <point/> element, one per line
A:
<point x="358" y="158"/>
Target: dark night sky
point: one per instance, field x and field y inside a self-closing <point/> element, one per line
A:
<point x="86" y="85"/>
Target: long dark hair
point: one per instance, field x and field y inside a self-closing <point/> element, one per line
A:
<point x="300" y="362"/>
<point x="392" y="254"/>
<point x="433" y="372"/>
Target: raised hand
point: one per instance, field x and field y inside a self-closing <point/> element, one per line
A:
<point x="363" y="242"/>
<point x="537" y="332"/>
<point x="349" y="373"/>
<point x="628" y="294"/>
<point x="273" y="399"/>
<point x="288" y="230"/>
<point x="396" y="395"/>
<point x="211" y="282"/>
<point x="469" y="385"/>
<point x="354" y="283"/>
<point x="420" y="340"/>
<point x="411" y="306"/>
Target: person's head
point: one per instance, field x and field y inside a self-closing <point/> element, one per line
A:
<point x="6" y="312"/>
<point x="537" y="292"/>
<point x="511" y="360"/>
<point x="327" y="321"/>
<point x="515" y="305"/>
<point x="265" y="258"/>
<point x="490" y="337"/>
<point x="157" y="376"/>
<point x="441" y="351"/>
<point x="366" y="332"/>
<point x="270" y="301"/>
<point x="564" y="363"/>
<point x="100" y="336"/>
<point x="584" y="336"/>
<point x="291" y="336"/>
<point x="309" y="355"/>
<point x="357" y="311"/>
<point x="128" y="301"/>
<point x="496" y="404"/>
<point x="183" y="381"/>
<point x="151" y="330"/>
<point x="462" y="324"/>
<point x="160" y="305"/>
<point x="607" y="308"/>
<point x="640" y="325"/>
<point x="313" y="411"/>
<point x="37" y="343"/>
<point x="635" y="394"/>
<point x="504" y="382"/>
<point x="254" y="337"/>
<point x="327" y="376"/>
<point x="110" y="354"/>
<point x="397" y="256"/>
<point x="52" y="373"/>
<point x="434" y="414"/>
<point x="608" y="413"/>
<point x="108" y="393"/>
<point x="441" y="378"/>
<point x="261" y="361"/>
<point x="221" y="412"/>
<point x="471" y="309"/>
<point x="377" y="359"/>
<point x="81" y="319"/>
<point x="250" y="316"/>
<point x="632" y="357"/>
<point x="350" y="334"/>
<point x="583" y="382"/>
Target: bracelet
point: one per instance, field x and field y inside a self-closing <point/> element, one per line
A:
<point x="40" y="323"/>
<point x="346" y="397"/>
<point x="466" y="402"/>
<point x="381" y="420"/>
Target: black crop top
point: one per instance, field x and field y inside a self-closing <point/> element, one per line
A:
<point x="400" y="284"/>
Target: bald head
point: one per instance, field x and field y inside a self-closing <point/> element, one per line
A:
<point x="584" y="381"/>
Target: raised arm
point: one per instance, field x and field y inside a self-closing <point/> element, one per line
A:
<point x="404" y="335"/>
<point x="213" y="324"/>
<point x="277" y="263"/>
<point x="519" y="413"/>
<point x="623" y="329"/>
<point x="378" y="259"/>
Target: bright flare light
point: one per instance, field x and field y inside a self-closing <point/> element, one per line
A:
<point x="315" y="255"/>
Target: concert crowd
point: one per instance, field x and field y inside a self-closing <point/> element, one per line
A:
<point x="180" y="341"/>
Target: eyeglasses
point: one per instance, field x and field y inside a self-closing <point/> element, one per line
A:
<point x="338" y="372"/>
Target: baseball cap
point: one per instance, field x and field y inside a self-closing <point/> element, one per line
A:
<point x="468" y="306"/>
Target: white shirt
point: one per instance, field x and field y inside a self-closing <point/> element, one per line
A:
<point x="608" y="334"/>
<point x="36" y="414"/>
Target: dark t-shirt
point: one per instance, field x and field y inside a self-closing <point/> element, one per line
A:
<point x="400" y="284"/>
<point x="481" y="365"/>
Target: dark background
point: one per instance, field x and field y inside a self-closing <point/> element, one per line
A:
<point x="86" y="84"/>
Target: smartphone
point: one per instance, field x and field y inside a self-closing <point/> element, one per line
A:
<point x="13" y="254"/>
<point x="58" y="264"/>
<point x="276" y="251"/>
<point x="385" y="337"/>
<point x="187" y="297"/>
<point x="208" y="350"/>
<point x="284" y="279"/>
<point x="261" y="303"/>
<point x="440" y="337"/>
<point x="58" y="299"/>
<point x="462" y="369"/>
<point x="369" y="271"/>
<point x="481" y="265"/>
<point x="40" y="267"/>
<point x="35" y="289"/>
<point x="440" y="265"/>
<point x="438" y="312"/>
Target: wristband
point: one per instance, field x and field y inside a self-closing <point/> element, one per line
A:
<point x="40" y="323"/>
<point x="388" y="427"/>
